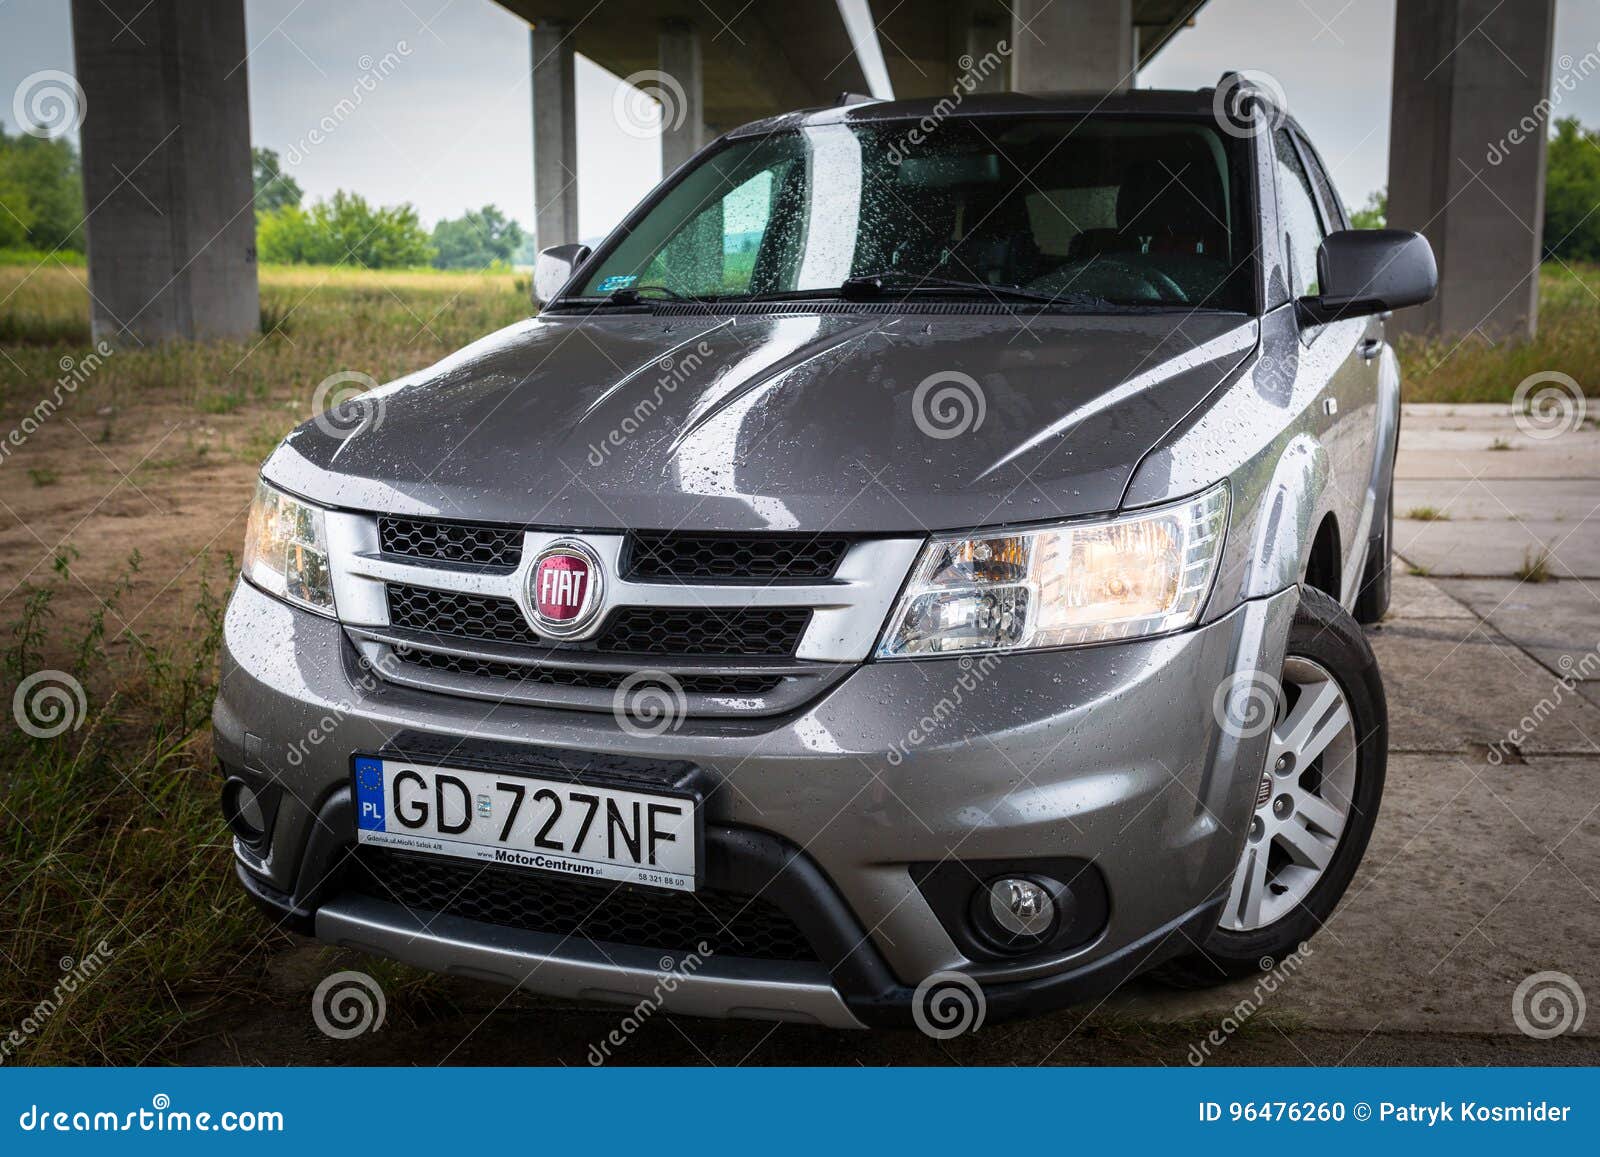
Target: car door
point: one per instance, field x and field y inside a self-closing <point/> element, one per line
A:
<point x="1337" y="353"/>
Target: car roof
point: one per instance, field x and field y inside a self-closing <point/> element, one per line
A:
<point x="958" y="106"/>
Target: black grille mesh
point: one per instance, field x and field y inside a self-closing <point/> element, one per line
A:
<point x="767" y="631"/>
<point x="461" y="615"/>
<point x="727" y="923"/>
<point x="767" y="558"/>
<point x="747" y="685"/>
<point x="681" y="631"/>
<point x="488" y="547"/>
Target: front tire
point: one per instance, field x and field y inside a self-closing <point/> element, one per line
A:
<point x="1318" y="800"/>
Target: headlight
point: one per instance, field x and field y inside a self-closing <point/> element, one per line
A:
<point x="286" y="550"/>
<point x="1087" y="582"/>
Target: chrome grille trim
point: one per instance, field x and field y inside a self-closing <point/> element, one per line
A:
<point x="848" y="613"/>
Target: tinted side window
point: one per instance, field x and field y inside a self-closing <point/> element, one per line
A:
<point x="1297" y="217"/>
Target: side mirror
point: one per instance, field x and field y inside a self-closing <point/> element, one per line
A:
<point x="1367" y="271"/>
<point x="554" y="268"/>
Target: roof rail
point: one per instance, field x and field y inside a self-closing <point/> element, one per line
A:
<point x="853" y="98"/>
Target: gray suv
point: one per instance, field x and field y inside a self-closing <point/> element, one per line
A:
<point x="919" y="554"/>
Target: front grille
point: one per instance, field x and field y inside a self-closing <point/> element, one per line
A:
<point x="738" y="685"/>
<point x="677" y="557"/>
<point x="727" y="923"/>
<point x="460" y="615"/>
<point x="486" y="547"/>
<point x="769" y="631"/>
<point x="680" y="631"/>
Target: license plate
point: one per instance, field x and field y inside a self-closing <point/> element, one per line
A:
<point x="587" y="830"/>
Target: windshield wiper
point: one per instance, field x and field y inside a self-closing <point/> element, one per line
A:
<point x="635" y="294"/>
<point x="868" y="285"/>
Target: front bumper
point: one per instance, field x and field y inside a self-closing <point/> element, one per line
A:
<point x="1110" y="755"/>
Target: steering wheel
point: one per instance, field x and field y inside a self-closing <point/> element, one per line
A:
<point x="1155" y="282"/>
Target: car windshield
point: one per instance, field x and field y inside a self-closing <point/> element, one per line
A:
<point x="1085" y="211"/>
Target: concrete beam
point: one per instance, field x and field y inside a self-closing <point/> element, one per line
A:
<point x="166" y="169"/>
<point x="555" y="135"/>
<point x="1467" y="73"/>
<point x="683" y="100"/>
<point x="984" y="38"/>
<point x="1072" y="45"/>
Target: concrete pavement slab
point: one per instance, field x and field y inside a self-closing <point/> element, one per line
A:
<point x="1556" y="622"/>
<point x="1415" y="597"/>
<point x="1454" y="684"/>
<point x="1522" y="499"/>
<point x="1479" y="548"/>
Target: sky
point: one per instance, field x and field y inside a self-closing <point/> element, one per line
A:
<point x="449" y="127"/>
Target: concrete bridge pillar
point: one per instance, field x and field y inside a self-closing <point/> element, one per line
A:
<point x="166" y="169"/>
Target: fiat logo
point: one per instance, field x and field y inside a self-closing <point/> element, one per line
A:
<point x="564" y="588"/>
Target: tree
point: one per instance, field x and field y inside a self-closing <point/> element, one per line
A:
<point x="477" y="239"/>
<point x="41" y="187"/>
<point x="1374" y="213"/>
<point x="344" y="229"/>
<point x="1572" y="193"/>
<point x="274" y="189"/>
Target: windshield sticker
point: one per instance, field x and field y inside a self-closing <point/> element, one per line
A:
<point x="618" y="281"/>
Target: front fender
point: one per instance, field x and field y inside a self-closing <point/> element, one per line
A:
<point x="1260" y="432"/>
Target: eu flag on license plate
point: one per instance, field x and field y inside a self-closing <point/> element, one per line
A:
<point x="369" y="794"/>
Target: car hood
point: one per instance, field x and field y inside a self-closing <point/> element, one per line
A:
<point x="811" y="421"/>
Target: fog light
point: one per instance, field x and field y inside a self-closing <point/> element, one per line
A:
<point x="249" y="811"/>
<point x="1022" y="907"/>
